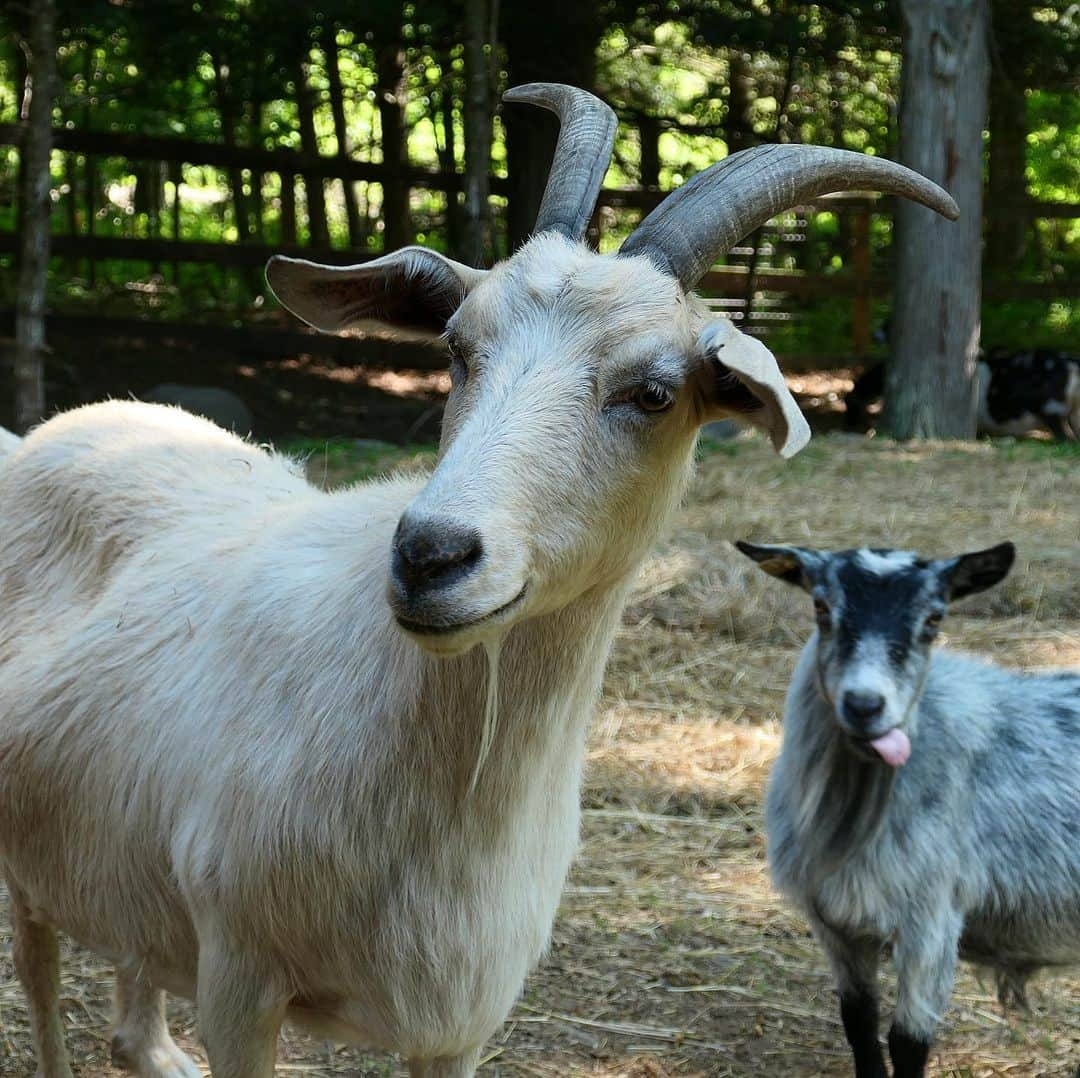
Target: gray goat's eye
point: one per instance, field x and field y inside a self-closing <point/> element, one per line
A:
<point x="822" y="612"/>
<point x="930" y="625"/>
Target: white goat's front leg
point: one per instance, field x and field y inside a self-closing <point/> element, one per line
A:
<point x="445" y="1067"/>
<point x="241" y="1006"/>
<point x="141" y="1042"/>
<point x="925" y="957"/>
<point x="37" y="962"/>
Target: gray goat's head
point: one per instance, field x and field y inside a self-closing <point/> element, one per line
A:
<point x="579" y="380"/>
<point x="878" y="612"/>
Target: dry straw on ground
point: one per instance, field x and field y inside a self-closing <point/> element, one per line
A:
<point x="671" y="955"/>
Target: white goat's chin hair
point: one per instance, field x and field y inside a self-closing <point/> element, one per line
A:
<point x="491" y="708"/>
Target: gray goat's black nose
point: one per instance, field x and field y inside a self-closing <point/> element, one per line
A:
<point x="432" y="554"/>
<point x="861" y="707"/>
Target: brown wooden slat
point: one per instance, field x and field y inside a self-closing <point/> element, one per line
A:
<point x="194" y="152"/>
<point x="370" y="351"/>
<point x="107" y="248"/>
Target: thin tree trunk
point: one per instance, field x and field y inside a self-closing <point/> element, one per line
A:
<point x="255" y="139"/>
<point x="176" y="177"/>
<point x="288" y="208"/>
<point x="783" y="100"/>
<point x="341" y="131"/>
<point x="479" y="46"/>
<point x="318" y="232"/>
<point x="550" y="42"/>
<point x="935" y="324"/>
<point x="22" y="78"/>
<point x="35" y="207"/>
<point x="390" y="64"/>
<point x="226" y="110"/>
<point x="738" y="126"/>
<point x="71" y="204"/>
<point x="1006" y="235"/>
<point x="442" y="118"/>
<point x="649" y="136"/>
<point x="89" y="166"/>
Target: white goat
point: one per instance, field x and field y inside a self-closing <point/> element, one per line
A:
<point x="241" y="719"/>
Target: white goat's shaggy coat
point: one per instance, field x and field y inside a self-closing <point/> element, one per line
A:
<point x="223" y="764"/>
<point x="175" y="771"/>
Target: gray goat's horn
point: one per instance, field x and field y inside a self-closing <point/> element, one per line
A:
<point x="586" y="139"/>
<point x="707" y="216"/>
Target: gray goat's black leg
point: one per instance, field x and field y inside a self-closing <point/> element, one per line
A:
<point x="924" y="951"/>
<point x="855" y="965"/>
<point x="859" y="1013"/>
<point x="908" y="1053"/>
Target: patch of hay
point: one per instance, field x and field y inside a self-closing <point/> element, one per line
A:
<point x="671" y="955"/>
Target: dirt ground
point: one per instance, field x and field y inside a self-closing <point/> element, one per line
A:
<point x="671" y="955"/>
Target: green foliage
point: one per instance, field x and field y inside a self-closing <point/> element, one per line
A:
<point x="700" y="77"/>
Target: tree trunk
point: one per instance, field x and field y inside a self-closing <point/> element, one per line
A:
<point x="22" y="77"/>
<point x="226" y="110"/>
<point x="176" y="177"/>
<point x="479" y="50"/>
<point x="551" y="42"/>
<point x="935" y="323"/>
<point x="313" y="189"/>
<point x="288" y="208"/>
<point x="390" y="65"/>
<point x="90" y="179"/>
<point x="35" y="205"/>
<point x="1006" y="234"/>
<point x="649" y="136"/>
<point x="442" y="118"/>
<point x="341" y="131"/>
<point x="255" y="133"/>
<point x="738" y="122"/>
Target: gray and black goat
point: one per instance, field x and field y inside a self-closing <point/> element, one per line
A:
<point x="922" y="799"/>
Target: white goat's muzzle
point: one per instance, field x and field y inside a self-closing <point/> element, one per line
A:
<point x="448" y="588"/>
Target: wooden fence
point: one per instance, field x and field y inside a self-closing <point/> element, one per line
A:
<point x="750" y="281"/>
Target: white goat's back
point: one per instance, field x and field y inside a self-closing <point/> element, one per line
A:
<point x="99" y="481"/>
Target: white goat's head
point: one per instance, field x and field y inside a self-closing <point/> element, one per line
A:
<point x="579" y="380"/>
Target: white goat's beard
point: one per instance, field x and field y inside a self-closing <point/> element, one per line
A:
<point x="491" y="708"/>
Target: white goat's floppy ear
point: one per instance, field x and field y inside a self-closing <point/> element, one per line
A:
<point x="413" y="288"/>
<point x="749" y="384"/>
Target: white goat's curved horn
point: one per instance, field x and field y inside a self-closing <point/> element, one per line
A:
<point x="586" y="139"/>
<point x="707" y="216"/>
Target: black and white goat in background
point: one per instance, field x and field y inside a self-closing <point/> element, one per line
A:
<point x="927" y="800"/>
<point x="1017" y="393"/>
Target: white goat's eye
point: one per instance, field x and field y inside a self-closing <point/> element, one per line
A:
<point x="459" y="368"/>
<point x="821" y="610"/>
<point x="653" y="397"/>
<point x="931" y="625"/>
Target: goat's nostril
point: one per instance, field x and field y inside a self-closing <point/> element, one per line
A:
<point x="860" y="707"/>
<point x="433" y="553"/>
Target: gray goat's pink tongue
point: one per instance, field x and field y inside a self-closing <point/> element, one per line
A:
<point x="893" y="747"/>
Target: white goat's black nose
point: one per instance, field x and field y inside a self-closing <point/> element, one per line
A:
<point x="862" y="707"/>
<point x="432" y="554"/>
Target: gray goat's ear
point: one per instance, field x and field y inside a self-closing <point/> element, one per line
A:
<point x="746" y="382"/>
<point x="792" y="564"/>
<point x="413" y="288"/>
<point x="969" y="574"/>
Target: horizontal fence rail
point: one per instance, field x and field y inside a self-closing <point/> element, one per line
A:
<point x="741" y="287"/>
